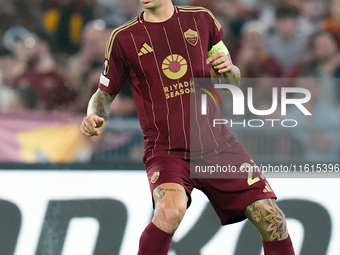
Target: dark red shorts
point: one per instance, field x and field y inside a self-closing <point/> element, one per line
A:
<point x="229" y="193"/>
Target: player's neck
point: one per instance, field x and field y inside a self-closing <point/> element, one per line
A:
<point x="161" y="14"/>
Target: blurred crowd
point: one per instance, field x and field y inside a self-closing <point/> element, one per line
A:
<point x="51" y="51"/>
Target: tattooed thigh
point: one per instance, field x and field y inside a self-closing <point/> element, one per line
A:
<point x="268" y="219"/>
<point x="168" y="189"/>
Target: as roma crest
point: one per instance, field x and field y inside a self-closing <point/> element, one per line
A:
<point x="191" y="36"/>
<point x="155" y="177"/>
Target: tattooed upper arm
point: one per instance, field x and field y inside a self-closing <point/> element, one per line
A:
<point x="100" y="104"/>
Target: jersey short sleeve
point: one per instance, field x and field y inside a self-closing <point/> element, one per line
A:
<point x="115" y="68"/>
<point x="215" y="28"/>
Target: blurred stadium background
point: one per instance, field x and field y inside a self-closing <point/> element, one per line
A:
<point x="51" y="56"/>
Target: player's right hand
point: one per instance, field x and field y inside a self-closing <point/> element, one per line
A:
<point x="90" y="124"/>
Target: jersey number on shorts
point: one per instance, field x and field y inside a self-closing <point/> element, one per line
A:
<point x="251" y="169"/>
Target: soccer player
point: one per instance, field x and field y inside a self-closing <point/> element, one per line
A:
<point x="160" y="51"/>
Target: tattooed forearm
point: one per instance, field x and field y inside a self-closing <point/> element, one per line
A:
<point x="268" y="219"/>
<point x="100" y="104"/>
<point x="234" y="76"/>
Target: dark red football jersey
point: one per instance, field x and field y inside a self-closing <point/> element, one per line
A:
<point x="160" y="59"/>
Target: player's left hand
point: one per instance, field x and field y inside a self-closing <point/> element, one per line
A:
<point x="223" y="66"/>
<point x="220" y="63"/>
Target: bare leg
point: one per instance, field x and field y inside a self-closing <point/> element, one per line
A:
<point x="270" y="221"/>
<point x="170" y="206"/>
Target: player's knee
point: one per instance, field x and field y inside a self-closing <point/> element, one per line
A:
<point x="168" y="217"/>
<point x="173" y="214"/>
